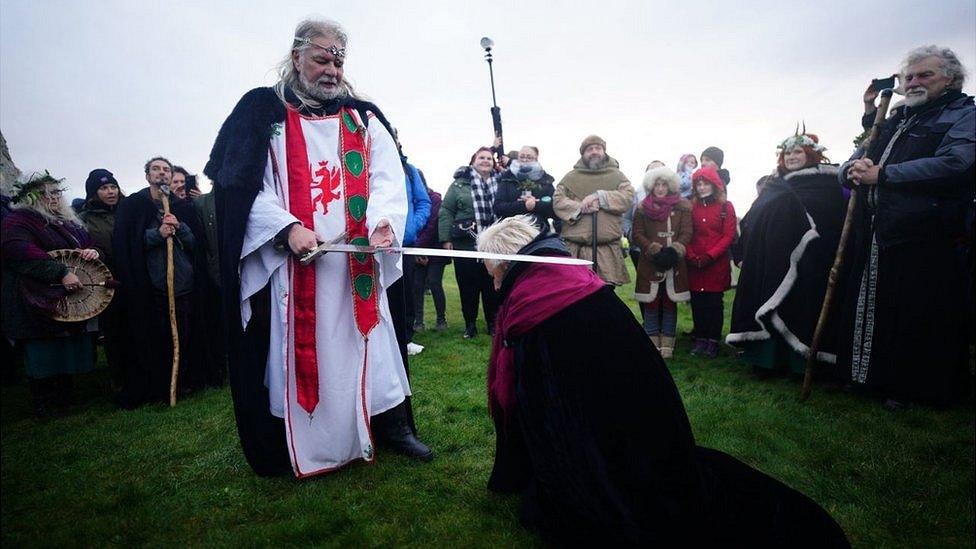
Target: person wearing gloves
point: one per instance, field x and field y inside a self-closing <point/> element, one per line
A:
<point x="663" y="230"/>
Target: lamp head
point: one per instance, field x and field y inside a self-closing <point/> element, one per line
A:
<point x="487" y="43"/>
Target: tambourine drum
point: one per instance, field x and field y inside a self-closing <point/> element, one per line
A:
<point x="93" y="297"/>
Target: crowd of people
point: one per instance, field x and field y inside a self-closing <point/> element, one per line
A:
<point x="318" y="354"/>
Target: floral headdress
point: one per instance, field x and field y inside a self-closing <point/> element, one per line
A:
<point x="801" y="139"/>
<point x="30" y="188"/>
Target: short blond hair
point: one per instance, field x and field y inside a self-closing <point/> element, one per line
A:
<point x="507" y="236"/>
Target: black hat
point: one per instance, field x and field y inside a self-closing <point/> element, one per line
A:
<point x="715" y="154"/>
<point x="96" y="179"/>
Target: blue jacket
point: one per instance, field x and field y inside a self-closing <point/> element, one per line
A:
<point x="418" y="203"/>
<point x="926" y="185"/>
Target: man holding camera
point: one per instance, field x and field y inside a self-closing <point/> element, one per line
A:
<point x="904" y="306"/>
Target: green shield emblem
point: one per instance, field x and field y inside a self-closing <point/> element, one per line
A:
<point x="357" y="206"/>
<point x="354" y="163"/>
<point x="364" y="286"/>
<point x="360" y="241"/>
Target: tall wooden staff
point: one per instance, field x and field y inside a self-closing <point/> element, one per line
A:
<point x="171" y="296"/>
<point x="879" y="118"/>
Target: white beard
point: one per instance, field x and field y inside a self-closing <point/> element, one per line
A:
<point x="315" y="91"/>
<point x="913" y="99"/>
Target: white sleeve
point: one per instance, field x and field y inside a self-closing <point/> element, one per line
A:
<point x="387" y="196"/>
<point x="259" y="259"/>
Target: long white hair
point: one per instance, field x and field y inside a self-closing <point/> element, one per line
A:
<point x="288" y="76"/>
<point x="31" y="196"/>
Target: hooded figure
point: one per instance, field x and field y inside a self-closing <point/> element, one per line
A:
<point x="591" y="201"/>
<point x="662" y="229"/>
<point x="709" y="269"/>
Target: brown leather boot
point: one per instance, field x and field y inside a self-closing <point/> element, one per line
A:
<point x="667" y="346"/>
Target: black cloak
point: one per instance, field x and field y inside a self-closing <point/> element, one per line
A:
<point x="146" y="353"/>
<point x="603" y="452"/>
<point x="788" y="242"/>
<point x="236" y="167"/>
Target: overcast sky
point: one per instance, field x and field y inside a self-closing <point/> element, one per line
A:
<point x="109" y="84"/>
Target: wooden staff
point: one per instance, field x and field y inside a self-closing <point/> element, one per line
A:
<point x="879" y="118"/>
<point x="171" y="296"/>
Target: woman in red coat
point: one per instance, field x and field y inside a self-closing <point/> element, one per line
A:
<point x="709" y="271"/>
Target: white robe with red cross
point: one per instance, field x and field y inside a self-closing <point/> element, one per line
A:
<point x="357" y="378"/>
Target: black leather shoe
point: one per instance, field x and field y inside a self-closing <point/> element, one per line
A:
<point x="391" y="430"/>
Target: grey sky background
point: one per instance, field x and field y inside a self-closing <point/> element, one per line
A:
<point x="112" y="83"/>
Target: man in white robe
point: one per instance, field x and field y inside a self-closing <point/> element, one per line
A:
<point x="289" y="174"/>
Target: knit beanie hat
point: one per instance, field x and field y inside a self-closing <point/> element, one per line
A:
<point x="709" y="174"/>
<point x="715" y="154"/>
<point x="96" y="179"/>
<point x="592" y="140"/>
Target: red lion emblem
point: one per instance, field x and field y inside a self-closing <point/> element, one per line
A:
<point x="325" y="185"/>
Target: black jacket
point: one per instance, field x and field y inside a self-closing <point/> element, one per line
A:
<point x="507" y="203"/>
<point x="146" y="335"/>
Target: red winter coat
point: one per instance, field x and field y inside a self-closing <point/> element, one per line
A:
<point x="710" y="244"/>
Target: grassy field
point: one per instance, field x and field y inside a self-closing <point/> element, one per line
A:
<point x="159" y="476"/>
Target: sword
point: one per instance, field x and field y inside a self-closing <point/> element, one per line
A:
<point x="438" y="252"/>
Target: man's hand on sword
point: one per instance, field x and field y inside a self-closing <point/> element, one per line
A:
<point x="301" y="240"/>
<point x="382" y="235"/>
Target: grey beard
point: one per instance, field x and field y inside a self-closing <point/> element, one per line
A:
<point x="597" y="164"/>
<point x="311" y="90"/>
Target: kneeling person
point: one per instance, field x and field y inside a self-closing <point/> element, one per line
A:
<point x="595" y="436"/>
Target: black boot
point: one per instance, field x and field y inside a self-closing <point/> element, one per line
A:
<point x="391" y="430"/>
<point x="470" y="330"/>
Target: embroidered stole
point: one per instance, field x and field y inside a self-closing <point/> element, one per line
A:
<point x="354" y="162"/>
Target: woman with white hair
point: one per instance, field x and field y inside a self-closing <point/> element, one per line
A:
<point x="34" y="283"/>
<point x="590" y="427"/>
<point x="662" y="230"/>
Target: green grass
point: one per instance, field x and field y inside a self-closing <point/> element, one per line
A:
<point x="159" y="476"/>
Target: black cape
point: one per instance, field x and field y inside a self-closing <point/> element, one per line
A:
<point x="507" y="203"/>
<point x="236" y="166"/>
<point x="788" y="242"/>
<point x="146" y="348"/>
<point x="603" y="452"/>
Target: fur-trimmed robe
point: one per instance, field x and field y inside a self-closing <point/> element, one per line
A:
<point x="789" y="238"/>
<point x="236" y="166"/>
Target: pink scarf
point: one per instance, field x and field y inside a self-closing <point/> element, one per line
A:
<point x="539" y="293"/>
<point x="659" y="209"/>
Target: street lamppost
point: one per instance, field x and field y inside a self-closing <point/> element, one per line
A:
<point x="496" y="113"/>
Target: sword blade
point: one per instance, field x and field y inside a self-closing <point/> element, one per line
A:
<point x="439" y="252"/>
